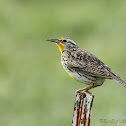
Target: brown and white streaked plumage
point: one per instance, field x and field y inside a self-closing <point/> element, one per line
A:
<point x="84" y="66"/>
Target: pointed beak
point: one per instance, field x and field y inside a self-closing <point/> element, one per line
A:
<point x="53" y="40"/>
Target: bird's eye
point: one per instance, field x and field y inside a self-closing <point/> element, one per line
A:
<point x="64" y="40"/>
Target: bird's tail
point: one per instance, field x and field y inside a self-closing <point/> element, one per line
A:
<point x="120" y="81"/>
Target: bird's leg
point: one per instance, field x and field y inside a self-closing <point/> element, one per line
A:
<point x="87" y="88"/>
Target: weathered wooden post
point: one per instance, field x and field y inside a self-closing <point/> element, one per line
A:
<point x="82" y="108"/>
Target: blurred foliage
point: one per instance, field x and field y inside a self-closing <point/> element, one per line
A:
<point x="34" y="88"/>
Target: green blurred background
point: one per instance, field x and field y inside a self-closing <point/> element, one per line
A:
<point x="34" y="88"/>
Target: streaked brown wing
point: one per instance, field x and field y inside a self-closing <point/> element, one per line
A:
<point x="85" y="62"/>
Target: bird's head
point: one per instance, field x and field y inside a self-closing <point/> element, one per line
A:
<point x="64" y="43"/>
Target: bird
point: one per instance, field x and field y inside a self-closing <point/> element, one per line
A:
<point x="83" y="66"/>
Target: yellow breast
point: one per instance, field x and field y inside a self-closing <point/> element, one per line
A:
<point x="61" y="48"/>
<point x="73" y="75"/>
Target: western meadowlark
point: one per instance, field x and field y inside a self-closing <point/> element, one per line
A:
<point x="84" y="66"/>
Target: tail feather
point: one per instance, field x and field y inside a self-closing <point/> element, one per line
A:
<point x="120" y="81"/>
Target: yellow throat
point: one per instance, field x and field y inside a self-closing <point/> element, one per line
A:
<point x="61" y="47"/>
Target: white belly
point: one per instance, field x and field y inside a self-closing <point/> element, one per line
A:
<point x="86" y="80"/>
<point x="80" y="78"/>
